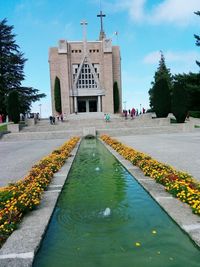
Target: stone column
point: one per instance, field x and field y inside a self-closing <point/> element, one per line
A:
<point x="99" y="104"/>
<point x="75" y="104"/>
<point x="87" y="106"/>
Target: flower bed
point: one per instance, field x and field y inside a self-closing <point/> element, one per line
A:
<point x="180" y="184"/>
<point x="20" y="197"/>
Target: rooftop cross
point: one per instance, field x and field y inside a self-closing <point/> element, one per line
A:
<point x="84" y="24"/>
<point x="102" y="34"/>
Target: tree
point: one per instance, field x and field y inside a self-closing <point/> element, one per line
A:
<point x="162" y="100"/>
<point x="162" y="73"/>
<point x="13" y="106"/>
<point x="116" y="97"/>
<point x="12" y="70"/>
<point x="57" y="96"/>
<point x="27" y="95"/>
<point x="179" y="101"/>
<point x="191" y="83"/>
<point x="197" y="37"/>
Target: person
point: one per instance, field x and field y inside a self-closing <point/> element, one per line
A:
<point x="188" y="116"/>
<point x="132" y="113"/>
<point x="125" y="114"/>
<point x="61" y="117"/>
<point x="58" y="117"/>
<point x="51" y="119"/>
<point x="107" y="117"/>
<point x="1" y="118"/>
<point x="143" y="110"/>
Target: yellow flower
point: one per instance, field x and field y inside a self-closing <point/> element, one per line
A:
<point x="137" y="244"/>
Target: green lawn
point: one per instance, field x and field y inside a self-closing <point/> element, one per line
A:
<point x="3" y="128"/>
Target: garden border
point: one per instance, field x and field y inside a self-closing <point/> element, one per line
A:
<point x="180" y="212"/>
<point x="22" y="245"/>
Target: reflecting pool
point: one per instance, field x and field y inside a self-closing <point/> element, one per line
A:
<point x="104" y="218"/>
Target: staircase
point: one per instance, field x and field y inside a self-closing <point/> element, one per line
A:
<point x="118" y="126"/>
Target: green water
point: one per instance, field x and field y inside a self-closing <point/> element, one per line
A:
<point x="79" y="235"/>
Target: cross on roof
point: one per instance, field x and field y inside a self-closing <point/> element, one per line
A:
<point x="101" y="15"/>
<point x="84" y="24"/>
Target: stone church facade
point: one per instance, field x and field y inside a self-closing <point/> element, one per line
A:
<point x="87" y="71"/>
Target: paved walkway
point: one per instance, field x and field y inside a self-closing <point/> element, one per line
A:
<point x="181" y="150"/>
<point x="17" y="158"/>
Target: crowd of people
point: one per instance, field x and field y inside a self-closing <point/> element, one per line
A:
<point x="59" y="117"/>
<point x="132" y="113"/>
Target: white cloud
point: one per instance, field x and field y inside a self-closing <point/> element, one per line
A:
<point x="175" y="11"/>
<point x="170" y="56"/>
<point x="179" y="12"/>
<point x="152" y="58"/>
<point x="136" y="9"/>
<point x="178" y="62"/>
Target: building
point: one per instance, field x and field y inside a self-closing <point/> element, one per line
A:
<point x="87" y="71"/>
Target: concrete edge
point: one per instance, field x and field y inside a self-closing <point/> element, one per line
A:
<point x="179" y="212"/>
<point x="22" y="245"/>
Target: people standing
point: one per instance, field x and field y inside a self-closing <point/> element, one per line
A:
<point x="133" y="113"/>
<point x="53" y="120"/>
<point x="125" y="114"/>
<point x="50" y="119"/>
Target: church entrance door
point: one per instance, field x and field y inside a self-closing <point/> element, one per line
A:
<point x="81" y="105"/>
<point x="92" y="106"/>
<point x="87" y="104"/>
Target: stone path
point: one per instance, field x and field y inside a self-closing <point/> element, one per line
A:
<point x="17" y="158"/>
<point x="181" y="150"/>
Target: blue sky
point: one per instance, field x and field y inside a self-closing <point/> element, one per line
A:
<point x="145" y="27"/>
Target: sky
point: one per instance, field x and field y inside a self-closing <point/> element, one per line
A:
<point x="145" y="27"/>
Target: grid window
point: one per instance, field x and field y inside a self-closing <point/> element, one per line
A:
<point x="86" y="78"/>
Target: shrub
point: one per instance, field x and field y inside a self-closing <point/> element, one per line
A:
<point x="194" y="114"/>
<point x="162" y="102"/>
<point x="13" y="106"/>
<point x="57" y="96"/>
<point x="179" y="102"/>
<point x="116" y="97"/>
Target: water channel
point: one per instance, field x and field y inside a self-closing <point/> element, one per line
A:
<point x="104" y="218"/>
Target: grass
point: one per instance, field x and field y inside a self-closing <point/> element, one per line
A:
<point x="3" y="128"/>
<point x="172" y="120"/>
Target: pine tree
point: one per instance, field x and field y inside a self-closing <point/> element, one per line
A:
<point x="13" y="106"/>
<point x="197" y="37"/>
<point x="179" y="101"/>
<point x="57" y="96"/>
<point x="12" y="71"/>
<point x="116" y="97"/>
<point x="162" y="73"/>
<point x="162" y="99"/>
<point x="191" y="84"/>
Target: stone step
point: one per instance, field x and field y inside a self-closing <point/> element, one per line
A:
<point x="123" y="131"/>
<point x="137" y="131"/>
<point x="41" y="135"/>
<point x="44" y="127"/>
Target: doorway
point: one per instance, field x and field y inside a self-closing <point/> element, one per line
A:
<point x="81" y="106"/>
<point x="92" y="106"/>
